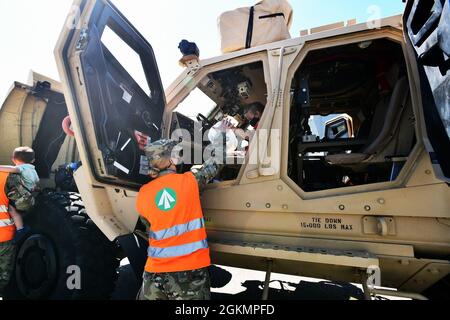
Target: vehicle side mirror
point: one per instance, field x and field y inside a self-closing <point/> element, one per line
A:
<point x="339" y="128"/>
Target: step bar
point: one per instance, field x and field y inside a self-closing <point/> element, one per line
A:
<point x="348" y="258"/>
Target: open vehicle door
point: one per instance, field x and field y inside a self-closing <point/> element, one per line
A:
<point x="115" y="97"/>
<point x="427" y="32"/>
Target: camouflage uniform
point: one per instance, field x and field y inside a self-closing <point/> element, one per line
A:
<point x="205" y="174"/>
<point x="8" y="249"/>
<point x="212" y="166"/>
<point x="188" y="285"/>
<point x="7" y="254"/>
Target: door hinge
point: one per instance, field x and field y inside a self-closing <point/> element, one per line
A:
<point x="286" y="52"/>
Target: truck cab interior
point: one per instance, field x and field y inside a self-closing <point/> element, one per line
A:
<point x="351" y="120"/>
<point x="220" y="95"/>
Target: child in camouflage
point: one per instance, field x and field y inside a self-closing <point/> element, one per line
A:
<point x="23" y="159"/>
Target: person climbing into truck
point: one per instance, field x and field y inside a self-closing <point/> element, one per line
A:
<point x="178" y="255"/>
<point x="7" y="232"/>
<point x="25" y="180"/>
<point x="10" y="187"/>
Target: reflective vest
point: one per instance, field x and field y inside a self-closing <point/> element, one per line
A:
<point x="7" y="227"/>
<point x="178" y="240"/>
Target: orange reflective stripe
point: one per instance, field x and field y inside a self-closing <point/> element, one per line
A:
<point x="4" y="214"/>
<point x="7" y="227"/>
<point x="178" y="239"/>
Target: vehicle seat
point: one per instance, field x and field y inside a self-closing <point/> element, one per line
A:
<point x="384" y="124"/>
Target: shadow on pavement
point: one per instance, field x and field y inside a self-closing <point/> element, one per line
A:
<point x="128" y="286"/>
<point x="304" y="290"/>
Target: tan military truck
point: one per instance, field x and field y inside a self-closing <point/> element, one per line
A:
<point x="346" y="177"/>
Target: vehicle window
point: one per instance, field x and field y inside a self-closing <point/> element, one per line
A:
<point x="196" y="103"/>
<point x="351" y="122"/>
<point x="318" y="125"/>
<point x="127" y="57"/>
<point x="237" y="94"/>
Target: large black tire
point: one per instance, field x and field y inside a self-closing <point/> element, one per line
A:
<point x="127" y="285"/>
<point x="440" y="290"/>
<point x="63" y="236"/>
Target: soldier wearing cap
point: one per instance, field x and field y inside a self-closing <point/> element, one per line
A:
<point x="178" y="254"/>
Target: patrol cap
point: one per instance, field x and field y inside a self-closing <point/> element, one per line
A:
<point x="160" y="149"/>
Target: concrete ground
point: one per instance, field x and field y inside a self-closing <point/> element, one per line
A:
<point x="240" y="284"/>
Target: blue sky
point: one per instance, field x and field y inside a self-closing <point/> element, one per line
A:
<point x="29" y="29"/>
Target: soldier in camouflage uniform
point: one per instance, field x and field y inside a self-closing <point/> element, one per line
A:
<point x="193" y="284"/>
<point x="8" y="249"/>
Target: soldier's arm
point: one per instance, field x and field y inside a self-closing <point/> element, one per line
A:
<point x="146" y="224"/>
<point x="212" y="167"/>
<point x="9" y="169"/>
<point x="207" y="173"/>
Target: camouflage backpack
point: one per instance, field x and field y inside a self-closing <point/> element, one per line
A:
<point x="23" y="198"/>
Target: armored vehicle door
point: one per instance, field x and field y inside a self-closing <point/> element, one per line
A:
<point x="427" y="32"/>
<point x="114" y="91"/>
